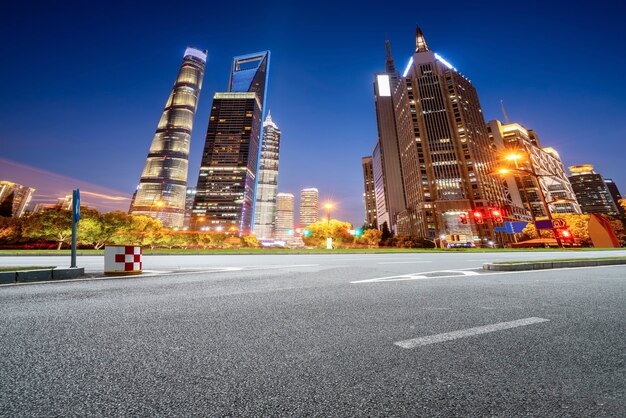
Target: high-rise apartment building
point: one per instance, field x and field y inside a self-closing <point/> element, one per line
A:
<point x="591" y="190"/>
<point x="284" y="216"/>
<point x="309" y="206"/>
<point x="14" y="198"/>
<point x="163" y="184"/>
<point x="369" y="196"/>
<point x="391" y="194"/>
<point x="544" y="166"/>
<point x="445" y="154"/>
<point x="228" y="173"/>
<point x="267" y="184"/>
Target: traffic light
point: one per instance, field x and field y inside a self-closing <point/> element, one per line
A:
<point x="358" y="232"/>
<point x="463" y="218"/>
<point x="479" y="219"/>
<point x="306" y="233"/>
<point x="566" y="235"/>
<point x="496" y="215"/>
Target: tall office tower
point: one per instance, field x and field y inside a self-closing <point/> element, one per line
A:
<point x="284" y="216"/>
<point x="227" y="181"/>
<point x="513" y="138"/>
<point x="14" y="198"/>
<point x="309" y="206"/>
<point x="390" y="194"/>
<point x="267" y="185"/>
<point x="615" y="194"/>
<point x="447" y="158"/>
<point x="163" y="184"/>
<point x="369" y="195"/>
<point x="591" y="190"/>
<point x="189" y="198"/>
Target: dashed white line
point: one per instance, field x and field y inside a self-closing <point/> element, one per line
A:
<point x="469" y="332"/>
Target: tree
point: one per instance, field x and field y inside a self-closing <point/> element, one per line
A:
<point x="6" y="207"/>
<point x="387" y="236"/>
<point x="335" y="229"/>
<point x="50" y="225"/>
<point x="250" y="241"/>
<point x="618" y="229"/>
<point x="142" y="230"/>
<point x="577" y="224"/>
<point x="371" y="237"/>
<point x="10" y="230"/>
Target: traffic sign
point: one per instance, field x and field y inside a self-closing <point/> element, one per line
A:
<point x="544" y="224"/>
<point x="515" y="227"/>
<point x="559" y="223"/>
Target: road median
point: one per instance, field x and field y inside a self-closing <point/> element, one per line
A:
<point x="553" y="264"/>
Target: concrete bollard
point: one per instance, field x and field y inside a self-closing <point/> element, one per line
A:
<point x="122" y="259"/>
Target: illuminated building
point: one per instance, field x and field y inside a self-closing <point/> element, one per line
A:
<point x="267" y="184"/>
<point x="615" y="194"/>
<point x="389" y="195"/>
<point x="545" y="162"/>
<point x="226" y="186"/>
<point x="189" y="198"/>
<point x="309" y="206"/>
<point x="163" y="185"/>
<point x="591" y="190"/>
<point x="14" y="198"/>
<point x="369" y="196"/>
<point x="445" y="152"/>
<point x="284" y="217"/>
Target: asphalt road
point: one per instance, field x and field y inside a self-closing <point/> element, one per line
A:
<point x="328" y="335"/>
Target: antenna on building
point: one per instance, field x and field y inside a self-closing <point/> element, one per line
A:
<point x="506" y="117"/>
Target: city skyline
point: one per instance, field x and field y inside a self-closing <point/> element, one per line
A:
<point x="530" y="94"/>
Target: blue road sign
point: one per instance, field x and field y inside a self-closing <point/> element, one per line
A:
<point x="501" y="229"/>
<point x="545" y="224"/>
<point x="515" y="227"/>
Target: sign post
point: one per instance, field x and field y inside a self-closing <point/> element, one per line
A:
<point x="75" y="219"/>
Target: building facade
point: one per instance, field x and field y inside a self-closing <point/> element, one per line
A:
<point x="284" y="217"/>
<point x="226" y="188"/>
<point x="445" y="153"/>
<point x="163" y="185"/>
<point x="545" y="162"/>
<point x="189" y="199"/>
<point x="390" y="185"/>
<point x="369" y="196"/>
<point x="309" y="206"/>
<point x="14" y="198"/>
<point x="267" y="185"/>
<point x="615" y="194"/>
<point x="591" y="190"/>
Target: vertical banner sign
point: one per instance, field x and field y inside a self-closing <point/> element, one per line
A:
<point x="75" y="219"/>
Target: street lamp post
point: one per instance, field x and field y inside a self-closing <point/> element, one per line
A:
<point x="328" y="206"/>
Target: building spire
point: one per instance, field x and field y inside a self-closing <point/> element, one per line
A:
<point x="420" y="41"/>
<point x="390" y="66"/>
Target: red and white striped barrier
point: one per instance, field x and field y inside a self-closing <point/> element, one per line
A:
<point x="122" y="259"/>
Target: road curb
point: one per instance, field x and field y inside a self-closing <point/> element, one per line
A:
<point x="542" y="265"/>
<point x="41" y="275"/>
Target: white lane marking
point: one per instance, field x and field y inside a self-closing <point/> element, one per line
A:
<point x="421" y="275"/>
<point x="403" y="262"/>
<point x="469" y="332"/>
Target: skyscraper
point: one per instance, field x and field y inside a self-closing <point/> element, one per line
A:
<point x="163" y="184"/>
<point x="369" y="198"/>
<point x="544" y="161"/>
<point x="14" y="198"/>
<point x="284" y="216"/>
<point x="445" y="154"/>
<point x="227" y="181"/>
<point x="591" y="191"/>
<point x="391" y="186"/>
<point x="267" y="185"/>
<point x="309" y="206"/>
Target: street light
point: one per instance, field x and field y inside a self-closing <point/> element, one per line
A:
<point x="328" y="206"/>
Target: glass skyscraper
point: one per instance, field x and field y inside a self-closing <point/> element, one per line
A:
<point x="226" y="187"/>
<point x="162" y="188"/>
<point x="267" y="185"/>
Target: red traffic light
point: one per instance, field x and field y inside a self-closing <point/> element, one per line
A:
<point x="478" y="217"/>
<point x="496" y="215"/>
<point x="463" y="218"/>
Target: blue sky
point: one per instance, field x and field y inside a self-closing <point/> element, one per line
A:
<point x="83" y="85"/>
